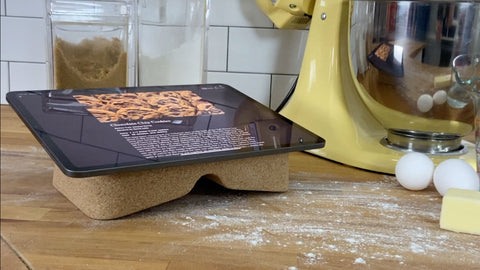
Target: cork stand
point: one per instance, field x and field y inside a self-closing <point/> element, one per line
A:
<point x="118" y="195"/>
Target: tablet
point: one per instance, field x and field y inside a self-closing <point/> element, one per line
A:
<point x="90" y="132"/>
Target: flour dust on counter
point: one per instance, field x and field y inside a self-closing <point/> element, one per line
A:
<point x="357" y="223"/>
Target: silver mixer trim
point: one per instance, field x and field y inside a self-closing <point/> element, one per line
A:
<point x="425" y="142"/>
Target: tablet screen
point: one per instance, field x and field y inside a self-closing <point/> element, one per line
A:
<point x="90" y="132"/>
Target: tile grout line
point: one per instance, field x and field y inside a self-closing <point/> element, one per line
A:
<point x="228" y="49"/>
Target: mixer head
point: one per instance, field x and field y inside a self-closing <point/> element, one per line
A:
<point x="291" y="14"/>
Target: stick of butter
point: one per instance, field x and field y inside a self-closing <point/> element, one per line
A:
<point x="442" y="81"/>
<point x="461" y="211"/>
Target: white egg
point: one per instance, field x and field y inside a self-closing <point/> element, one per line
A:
<point x="425" y="103"/>
<point x="440" y="97"/>
<point x="455" y="173"/>
<point x="414" y="171"/>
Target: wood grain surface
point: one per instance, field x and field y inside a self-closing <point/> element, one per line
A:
<point x="332" y="217"/>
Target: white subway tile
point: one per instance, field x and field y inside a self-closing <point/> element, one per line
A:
<point x="23" y="39"/>
<point x="2" y="7"/>
<point x="25" y="8"/>
<point x="28" y="76"/>
<point x="3" y="97"/>
<point x="266" y="50"/>
<point x="217" y="48"/>
<point x="237" y="13"/>
<point x="4" y="75"/>
<point x="281" y="85"/>
<point x="256" y="86"/>
<point x="4" y="81"/>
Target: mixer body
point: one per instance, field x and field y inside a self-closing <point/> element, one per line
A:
<point x="367" y="110"/>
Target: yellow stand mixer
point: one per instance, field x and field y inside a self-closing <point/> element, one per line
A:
<point x="370" y="114"/>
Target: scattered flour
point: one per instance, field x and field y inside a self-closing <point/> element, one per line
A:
<point x="301" y="221"/>
<point x="359" y="261"/>
<point x="416" y="248"/>
<point x="311" y="259"/>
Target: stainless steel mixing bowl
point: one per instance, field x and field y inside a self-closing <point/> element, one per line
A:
<point x="402" y="54"/>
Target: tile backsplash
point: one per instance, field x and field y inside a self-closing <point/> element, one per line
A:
<point x="245" y="50"/>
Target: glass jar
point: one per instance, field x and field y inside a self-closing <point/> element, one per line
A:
<point x="91" y="43"/>
<point x="172" y="36"/>
<point x="466" y="74"/>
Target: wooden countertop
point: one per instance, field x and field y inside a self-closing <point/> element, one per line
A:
<point x="333" y="217"/>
